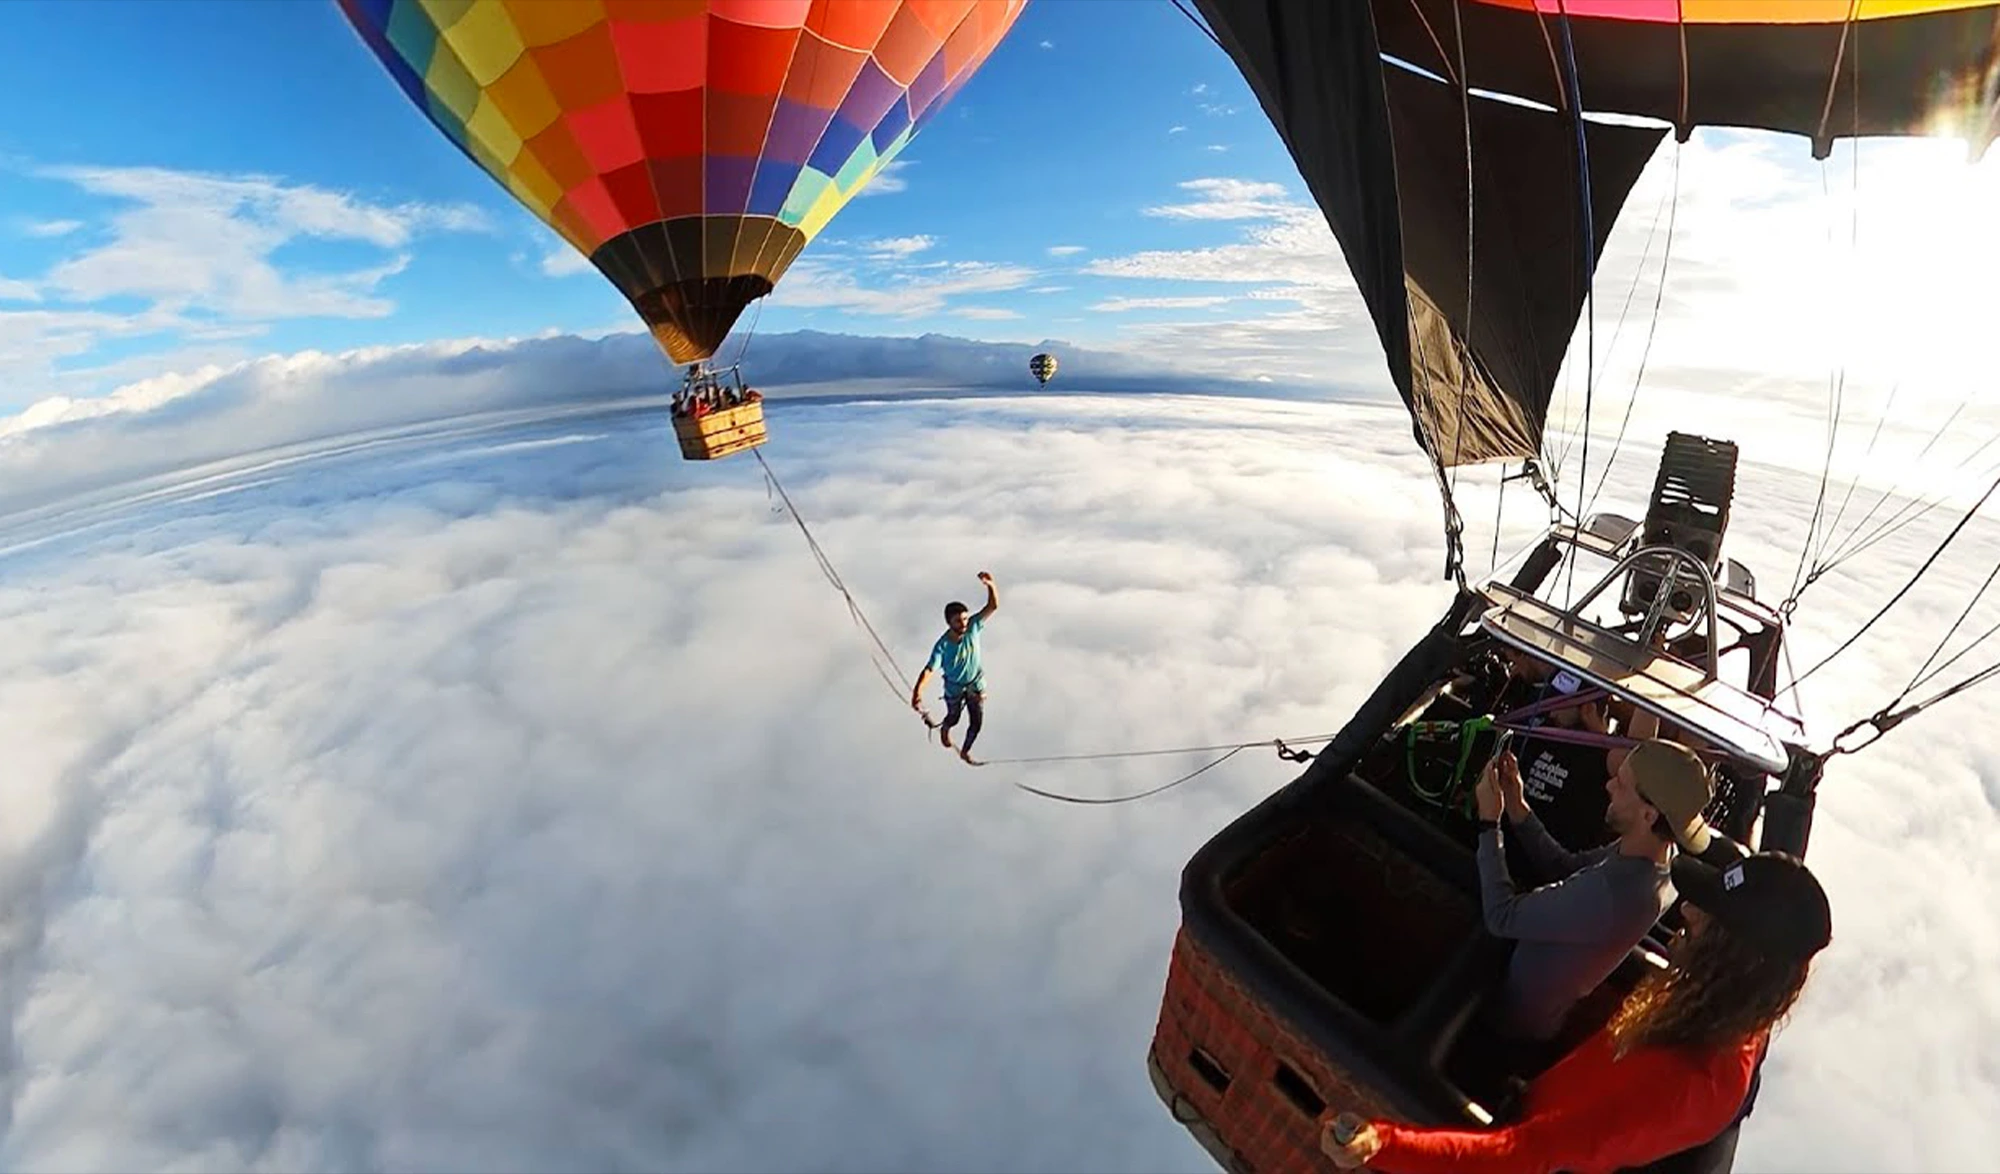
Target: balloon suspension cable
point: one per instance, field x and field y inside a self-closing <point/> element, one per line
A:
<point x="1949" y="538"/>
<point x="1454" y="534"/>
<point x="1574" y="102"/>
<point x="1454" y="522"/>
<point x="1198" y="23"/>
<point x="1867" y="731"/>
<point x="885" y="665"/>
<point x="901" y="687"/>
<point x="756" y="316"/>
<point x="1531" y="472"/>
<point x="1889" y="716"/>
<point x="1672" y="203"/>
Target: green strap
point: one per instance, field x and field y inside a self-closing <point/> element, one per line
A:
<point x="1466" y="732"/>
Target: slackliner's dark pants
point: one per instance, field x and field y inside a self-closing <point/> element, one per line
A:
<point x="974" y="705"/>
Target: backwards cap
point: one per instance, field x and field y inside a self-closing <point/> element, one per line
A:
<point x="1770" y="899"/>
<point x="1672" y="778"/>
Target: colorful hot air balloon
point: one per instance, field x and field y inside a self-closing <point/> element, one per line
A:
<point x="689" y="148"/>
<point x="1043" y="368"/>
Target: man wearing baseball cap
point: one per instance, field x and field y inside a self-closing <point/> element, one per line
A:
<point x="1677" y="784"/>
<point x="1574" y="930"/>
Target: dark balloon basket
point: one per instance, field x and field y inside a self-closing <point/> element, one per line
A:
<point x="1330" y="959"/>
<point x="1332" y="954"/>
<point x="720" y="433"/>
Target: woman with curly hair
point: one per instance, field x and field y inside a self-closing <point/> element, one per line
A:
<point x="1672" y="1067"/>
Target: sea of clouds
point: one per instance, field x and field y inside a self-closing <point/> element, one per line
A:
<point x="521" y="796"/>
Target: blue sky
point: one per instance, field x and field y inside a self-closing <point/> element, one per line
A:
<point x="1086" y="115"/>
<point x="207" y="184"/>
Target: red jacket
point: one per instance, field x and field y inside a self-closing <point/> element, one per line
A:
<point x="1590" y="1114"/>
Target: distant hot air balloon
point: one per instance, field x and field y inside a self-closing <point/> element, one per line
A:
<point x="689" y="148"/>
<point x="1043" y="368"/>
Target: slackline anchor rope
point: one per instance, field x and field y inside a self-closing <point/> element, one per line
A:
<point x="885" y="667"/>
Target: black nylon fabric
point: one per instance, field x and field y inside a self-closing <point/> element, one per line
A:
<point x="690" y="278"/>
<point x="1894" y="75"/>
<point x="1526" y="287"/>
<point x="1383" y="152"/>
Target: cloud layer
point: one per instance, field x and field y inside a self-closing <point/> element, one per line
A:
<point x="62" y="447"/>
<point x="573" y="881"/>
<point x="525" y="800"/>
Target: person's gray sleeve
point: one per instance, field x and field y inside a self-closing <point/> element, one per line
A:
<point x="1574" y="909"/>
<point x="1550" y="860"/>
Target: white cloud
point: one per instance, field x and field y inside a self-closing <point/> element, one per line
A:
<point x="38" y="337"/>
<point x="202" y="242"/>
<point x="565" y="262"/>
<point x="1118" y="305"/>
<point x="1200" y="90"/>
<point x="1765" y="299"/>
<point x="63" y="446"/>
<point x="1217" y="147"/>
<point x="48" y="228"/>
<point x="1065" y="250"/>
<point x="312" y="812"/>
<point x="1176" y="129"/>
<point x="437" y="806"/>
<point x="1047" y="44"/>
<point x="1780" y="285"/>
<point x="899" y="246"/>
<point x="1287" y="253"/>
<point x="1231" y="199"/>
<point x="12" y="290"/>
<point x="1045" y="289"/>
<point x="819" y="284"/>
<point x="890" y="179"/>
<point x="987" y="313"/>
<point x="200" y="253"/>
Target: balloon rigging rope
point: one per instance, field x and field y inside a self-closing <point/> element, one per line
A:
<point x="884" y="663"/>
<point x="1197" y="22"/>
<point x="890" y="675"/>
<point x="1652" y="328"/>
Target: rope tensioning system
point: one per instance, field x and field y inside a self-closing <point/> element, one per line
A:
<point x="1228" y="750"/>
<point x="900" y="686"/>
<point x="1285" y="751"/>
<point x="1520" y="721"/>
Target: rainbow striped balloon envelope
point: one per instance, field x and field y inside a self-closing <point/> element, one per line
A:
<point x="690" y="148"/>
